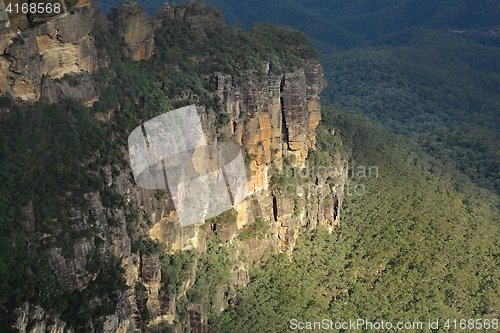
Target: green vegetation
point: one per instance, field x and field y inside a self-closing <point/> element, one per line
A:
<point x="146" y="246"/>
<point x="184" y="65"/>
<point x="213" y="274"/>
<point x="175" y="269"/>
<point x="55" y="157"/>
<point x="421" y="243"/>
<point x="48" y="156"/>
<point x="439" y="89"/>
<point x="347" y="23"/>
<point x="417" y="81"/>
<point x="403" y="68"/>
<point x="341" y="24"/>
<point x="259" y="229"/>
<point x="470" y="149"/>
<point x="185" y="61"/>
<point x="225" y="219"/>
<point x="5" y="102"/>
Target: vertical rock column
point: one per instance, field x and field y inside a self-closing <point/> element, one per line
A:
<point x="25" y="66"/>
<point x="301" y="109"/>
<point x="137" y="30"/>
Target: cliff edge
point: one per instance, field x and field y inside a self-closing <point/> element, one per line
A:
<point x="269" y="109"/>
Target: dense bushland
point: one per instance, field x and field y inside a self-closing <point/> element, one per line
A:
<point x="420" y="243"/>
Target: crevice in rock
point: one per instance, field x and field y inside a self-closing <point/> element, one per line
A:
<point x="335" y="207"/>
<point x="284" y="128"/>
<point x="275" y="209"/>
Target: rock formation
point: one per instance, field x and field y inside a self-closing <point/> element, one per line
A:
<point x="199" y="18"/>
<point x="274" y="120"/>
<point x="258" y="121"/>
<point x="61" y="46"/>
<point x="136" y="29"/>
<point x="279" y="122"/>
<point x="51" y="47"/>
<point x="5" y="28"/>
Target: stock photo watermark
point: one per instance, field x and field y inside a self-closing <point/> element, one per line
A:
<point x="314" y="180"/>
<point x="170" y="151"/>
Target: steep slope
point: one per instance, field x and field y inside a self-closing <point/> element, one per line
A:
<point x="418" y="80"/>
<point x="427" y="84"/>
<point x="349" y="23"/>
<point x="419" y="243"/>
<point x="36" y="55"/>
<point x="101" y="254"/>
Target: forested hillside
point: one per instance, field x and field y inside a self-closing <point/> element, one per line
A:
<point x="417" y="80"/>
<point x="344" y="23"/>
<point x="422" y="242"/>
<point x="441" y="89"/>
<point x="413" y="65"/>
<point x="56" y="159"/>
<point x="414" y="90"/>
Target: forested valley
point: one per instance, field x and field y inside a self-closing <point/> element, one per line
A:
<point x="413" y="89"/>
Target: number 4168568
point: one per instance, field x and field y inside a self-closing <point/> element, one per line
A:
<point x="472" y="324"/>
<point x="34" y="8"/>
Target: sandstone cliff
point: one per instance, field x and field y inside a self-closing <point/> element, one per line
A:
<point x="38" y="52"/>
<point x="258" y="121"/>
<point x="47" y="47"/>
<point x="136" y="29"/>
<point x="274" y="120"/>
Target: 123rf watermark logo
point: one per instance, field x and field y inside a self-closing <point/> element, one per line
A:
<point x="315" y="180"/>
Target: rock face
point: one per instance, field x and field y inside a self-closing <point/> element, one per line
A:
<point x="66" y="45"/>
<point x="5" y="28"/>
<point x="24" y="73"/>
<point x="62" y="47"/>
<point x="136" y="29"/>
<point x="274" y="120"/>
<point x="263" y="118"/>
<point x="53" y="47"/>
<point x="79" y="86"/>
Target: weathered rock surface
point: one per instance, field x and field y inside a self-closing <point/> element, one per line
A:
<point x="263" y="118"/>
<point x="43" y="321"/>
<point x="274" y="120"/>
<point x="5" y="28"/>
<point x="54" y="47"/>
<point x="24" y="71"/>
<point x="136" y="29"/>
<point x="77" y="86"/>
